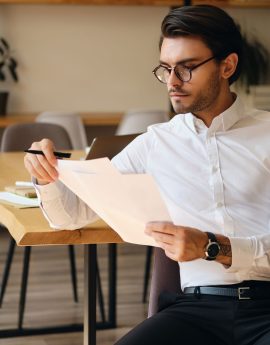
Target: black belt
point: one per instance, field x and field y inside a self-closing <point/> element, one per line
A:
<point x="240" y="292"/>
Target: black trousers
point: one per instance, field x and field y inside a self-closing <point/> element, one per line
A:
<point x="204" y="320"/>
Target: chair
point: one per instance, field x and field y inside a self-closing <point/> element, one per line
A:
<point x="137" y="121"/>
<point x="165" y="277"/>
<point x="71" y="122"/>
<point x="17" y="138"/>
<point x="109" y="146"/>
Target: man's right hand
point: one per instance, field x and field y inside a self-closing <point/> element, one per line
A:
<point x="39" y="166"/>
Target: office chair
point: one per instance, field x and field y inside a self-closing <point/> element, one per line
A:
<point x="71" y="122"/>
<point x="137" y="121"/>
<point x="165" y="278"/>
<point x="109" y="146"/>
<point x="17" y="138"/>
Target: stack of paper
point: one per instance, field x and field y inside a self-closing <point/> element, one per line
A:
<point x="21" y="195"/>
<point x="18" y="200"/>
<point x="28" y="192"/>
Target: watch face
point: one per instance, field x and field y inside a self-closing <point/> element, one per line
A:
<point x="213" y="249"/>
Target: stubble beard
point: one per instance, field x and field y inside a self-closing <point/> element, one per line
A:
<point x="203" y="101"/>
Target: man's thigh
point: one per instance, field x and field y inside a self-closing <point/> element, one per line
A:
<point x="181" y="324"/>
<point x="264" y="340"/>
<point x="252" y="325"/>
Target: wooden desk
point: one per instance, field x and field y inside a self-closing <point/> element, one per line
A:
<point x="29" y="227"/>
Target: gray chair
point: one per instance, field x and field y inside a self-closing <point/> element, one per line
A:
<point x="137" y="121"/>
<point x="165" y="278"/>
<point x="72" y="123"/>
<point x="19" y="137"/>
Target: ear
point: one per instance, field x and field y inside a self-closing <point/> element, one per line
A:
<point x="229" y="65"/>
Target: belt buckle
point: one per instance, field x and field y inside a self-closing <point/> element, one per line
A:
<point x="241" y="290"/>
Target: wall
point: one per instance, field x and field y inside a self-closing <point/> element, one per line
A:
<point x="90" y="58"/>
<point x="84" y="58"/>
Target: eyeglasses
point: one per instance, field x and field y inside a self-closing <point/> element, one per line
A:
<point x="162" y="73"/>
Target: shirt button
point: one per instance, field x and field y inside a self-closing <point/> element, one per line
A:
<point x="219" y="204"/>
<point x="214" y="169"/>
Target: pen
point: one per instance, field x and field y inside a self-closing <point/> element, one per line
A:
<point x="56" y="153"/>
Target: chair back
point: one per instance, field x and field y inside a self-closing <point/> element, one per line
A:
<point x="109" y="146"/>
<point x="165" y="277"/>
<point x="137" y="120"/>
<point x="19" y="137"/>
<point x="72" y="123"/>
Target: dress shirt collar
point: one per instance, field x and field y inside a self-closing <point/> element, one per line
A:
<point x="222" y="122"/>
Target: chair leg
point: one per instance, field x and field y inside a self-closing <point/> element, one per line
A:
<point x="26" y="262"/>
<point x="7" y="269"/>
<point x="100" y="295"/>
<point x="73" y="271"/>
<point x="147" y="271"/>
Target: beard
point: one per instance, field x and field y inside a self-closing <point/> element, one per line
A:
<point x="204" y="99"/>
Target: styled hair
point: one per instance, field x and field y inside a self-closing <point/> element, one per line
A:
<point x="213" y="25"/>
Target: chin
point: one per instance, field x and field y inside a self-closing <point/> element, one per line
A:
<point x="180" y="108"/>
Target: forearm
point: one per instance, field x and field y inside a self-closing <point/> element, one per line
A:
<point x="62" y="208"/>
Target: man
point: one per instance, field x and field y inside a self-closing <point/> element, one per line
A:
<point x="212" y="164"/>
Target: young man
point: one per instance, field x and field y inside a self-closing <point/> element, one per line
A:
<point x="212" y="165"/>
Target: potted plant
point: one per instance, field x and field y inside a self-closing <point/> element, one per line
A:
<point x="8" y="66"/>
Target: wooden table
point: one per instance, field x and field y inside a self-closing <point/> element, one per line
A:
<point x="29" y="227"/>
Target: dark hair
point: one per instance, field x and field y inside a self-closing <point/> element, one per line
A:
<point x="213" y="25"/>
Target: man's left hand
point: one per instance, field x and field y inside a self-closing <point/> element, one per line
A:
<point x="180" y="243"/>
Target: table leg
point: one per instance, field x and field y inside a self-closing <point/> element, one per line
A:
<point x="90" y="258"/>
<point x="112" y="284"/>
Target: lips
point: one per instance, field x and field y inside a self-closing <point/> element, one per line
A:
<point x="174" y="94"/>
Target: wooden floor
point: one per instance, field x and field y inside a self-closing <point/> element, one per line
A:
<point x="50" y="300"/>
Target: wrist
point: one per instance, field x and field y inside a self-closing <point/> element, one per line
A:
<point x="225" y="254"/>
<point x="218" y="248"/>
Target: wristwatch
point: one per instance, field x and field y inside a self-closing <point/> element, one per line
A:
<point x="212" y="248"/>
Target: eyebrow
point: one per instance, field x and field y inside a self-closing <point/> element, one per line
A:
<point x="180" y="62"/>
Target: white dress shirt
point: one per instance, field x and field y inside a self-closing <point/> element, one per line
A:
<point x="215" y="179"/>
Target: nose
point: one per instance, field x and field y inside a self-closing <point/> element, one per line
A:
<point x="173" y="80"/>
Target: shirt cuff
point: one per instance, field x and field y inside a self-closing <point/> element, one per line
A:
<point x="48" y="191"/>
<point x="243" y="254"/>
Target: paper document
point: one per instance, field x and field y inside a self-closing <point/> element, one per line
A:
<point x="18" y="200"/>
<point x="125" y="202"/>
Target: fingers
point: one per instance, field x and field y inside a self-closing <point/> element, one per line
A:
<point x="162" y="238"/>
<point x="162" y="227"/>
<point x="42" y="167"/>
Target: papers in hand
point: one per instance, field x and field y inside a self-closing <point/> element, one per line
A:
<point x="125" y="202"/>
<point x="18" y="200"/>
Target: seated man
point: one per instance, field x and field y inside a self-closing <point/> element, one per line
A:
<point x="212" y="164"/>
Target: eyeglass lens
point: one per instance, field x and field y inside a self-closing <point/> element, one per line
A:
<point x="163" y="73"/>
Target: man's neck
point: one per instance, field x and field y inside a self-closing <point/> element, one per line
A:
<point x="207" y="116"/>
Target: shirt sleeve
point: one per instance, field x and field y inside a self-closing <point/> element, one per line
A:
<point x="251" y="252"/>
<point x="64" y="210"/>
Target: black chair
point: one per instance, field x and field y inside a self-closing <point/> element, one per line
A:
<point x="19" y="137"/>
<point x="165" y="277"/>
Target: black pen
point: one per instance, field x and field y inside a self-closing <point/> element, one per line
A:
<point x="56" y="153"/>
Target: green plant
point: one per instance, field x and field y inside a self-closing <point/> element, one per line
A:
<point x="255" y="63"/>
<point x="7" y="63"/>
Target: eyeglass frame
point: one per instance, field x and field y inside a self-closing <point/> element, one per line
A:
<point x="189" y="69"/>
